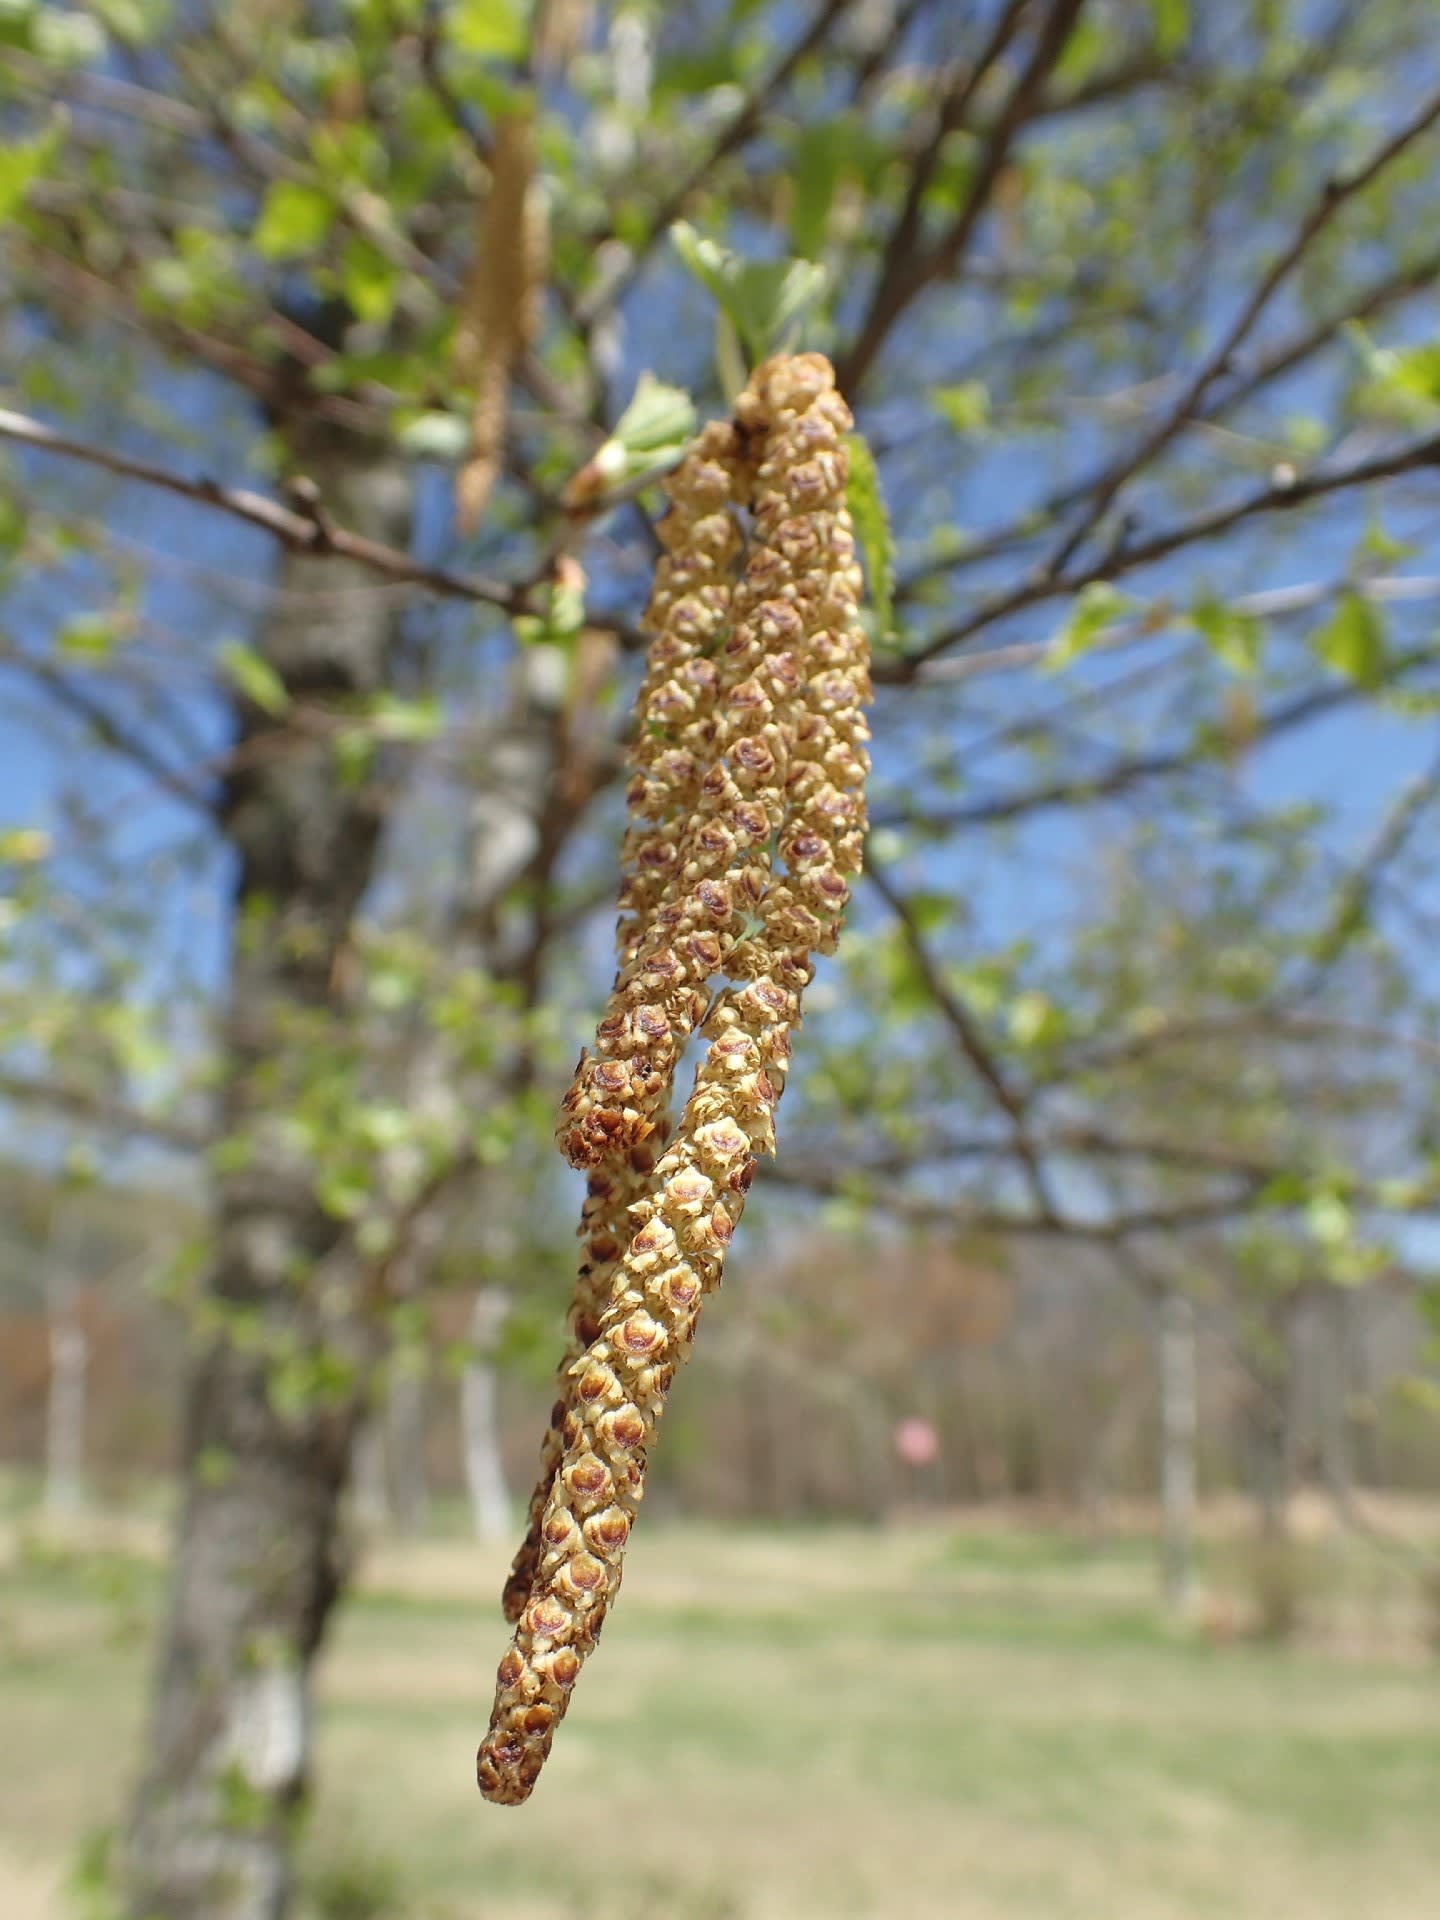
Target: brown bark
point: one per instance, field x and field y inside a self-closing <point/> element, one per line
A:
<point x="258" y="1561"/>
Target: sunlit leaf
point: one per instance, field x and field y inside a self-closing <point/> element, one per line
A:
<point x="765" y="300"/>
<point x="1236" y="638"/>
<point x="1097" y="606"/>
<point x="819" y="160"/>
<point x="872" y="531"/>
<point x="965" y="407"/>
<point x="254" y="676"/>
<point x="21" y="164"/>
<point x="488" y="29"/>
<point x="1172" y="24"/>
<point x="294" y="220"/>
<point x="1352" y="640"/>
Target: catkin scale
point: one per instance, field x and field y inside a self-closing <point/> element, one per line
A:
<point x="786" y="783"/>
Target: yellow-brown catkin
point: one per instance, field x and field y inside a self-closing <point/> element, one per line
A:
<point x="802" y="685"/>
<point x="605" y="1232"/>
<point x="688" y="616"/>
<point x="500" y="310"/>
<point x="795" y="422"/>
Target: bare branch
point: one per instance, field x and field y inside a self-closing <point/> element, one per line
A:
<point x="1281" y="494"/>
<point x="103" y="1110"/>
<point x="1121" y="775"/>
<point x="739" y="129"/>
<point x="1335" y="195"/>
<point x="1415" y="277"/>
<point x="970" y="1038"/>
<point x="107" y="727"/>
<point x="308" y="532"/>
<point x="903" y="278"/>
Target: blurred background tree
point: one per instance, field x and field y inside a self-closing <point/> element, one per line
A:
<point x="313" y="784"/>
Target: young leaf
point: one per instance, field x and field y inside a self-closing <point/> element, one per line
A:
<point x="434" y="435"/>
<point x="254" y="676"/>
<point x="764" y="299"/>
<point x="818" y="160"/>
<point x="872" y="531"/>
<point x="489" y="29"/>
<point x="1352" y="640"/>
<point x="965" y="407"/>
<point x="368" y="280"/>
<point x="294" y="220"/>
<point x="657" y="417"/>
<point x="564" y="616"/>
<point x="1097" y="606"/>
<point x="1172" y="24"/>
<point x="1235" y="638"/>
<point x="21" y="164"/>
<point x="709" y="262"/>
<point x="23" y="846"/>
<point x="649" y="436"/>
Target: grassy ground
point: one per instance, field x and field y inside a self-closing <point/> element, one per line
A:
<point x="782" y="1727"/>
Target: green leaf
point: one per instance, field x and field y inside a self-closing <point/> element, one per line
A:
<point x="66" y="37"/>
<point x="488" y="29"/>
<point x="764" y="299"/>
<point x="88" y="636"/>
<point x="393" y="718"/>
<point x="368" y="281"/>
<point x="354" y="749"/>
<point x="294" y="220"/>
<point x="1097" y="606"/>
<point x="649" y="436"/>
<point x="1236" y="638"/>
<point x="1036" y="1021"/>
<point x="1352" y="640"/>
<point x="17" y="20"/>
<point x="1329" y="1220"/>
<point x="711" y="264"/>
<point x="1172" y="24"/>
<point x="23" y="846"/>
<point x="21" y="164"/>
<point x="563" y="617"/>
<point x="872" y="531"/>
<point x="434" y="435"/>
<point x="1378" y="543"/>
<point x="817" y="159"/>
<point x="966" y="406"/>
<point x="132" y="21"/>
<point x="657" y="417"/>
<point x="254" y="676"/>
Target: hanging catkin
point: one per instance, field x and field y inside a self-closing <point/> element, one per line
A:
<point x="757" y="890"/>
<point x="688" y="617"/>
<point x="500" y="311"/>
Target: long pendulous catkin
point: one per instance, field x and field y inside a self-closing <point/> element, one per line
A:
<point x="795" y="421"/>
<point x="800" y="680"/>
<point x="605" y="1231"/>
<point x="689" y="616"/>
<point x="500" y="310"/>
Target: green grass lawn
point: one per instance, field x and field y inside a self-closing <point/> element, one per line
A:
<point x="784" y="1727"/>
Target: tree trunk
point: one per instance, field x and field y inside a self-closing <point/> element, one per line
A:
<point x="1337" y="1460"/>
<point x="480" y="1420"/>
<point x="269" y="1432"/>
<point x="405" y="1422"/>
<point x="370" y="1489"/>
<point x="1179" y="1430"/>
<point x="65" y="1406"/>
<point x="1270" y="1451"/>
